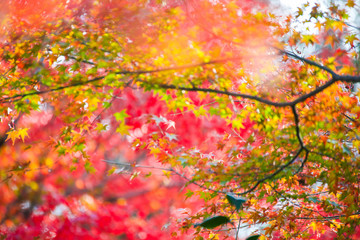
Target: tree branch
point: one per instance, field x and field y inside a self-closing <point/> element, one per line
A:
<point x="279" y="170"/>
<point x="297" y="129"/>
<point x="291" y="54"/>
<point x="335" y="78"/>
<point x="17" y="97"/>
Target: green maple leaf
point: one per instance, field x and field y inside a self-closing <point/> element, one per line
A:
<point x="235" y="201"/>
<point x="254" y="237"/>
<point x="213" y="222"/>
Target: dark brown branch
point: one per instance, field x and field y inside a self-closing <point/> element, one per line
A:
<point x="297" y="129"/>
<point x="83" y="61"/>
<point x="252" y="97"/>
<point x="17" y="97"/>
<point x="303" y="161"/>
<point x="325" y="218"/>
<point x="279" y="170"/>
<point x="291" y="54"/>
<point x="273" y="174"/>
<point x="312" y="93"/>
<point x="234" y="94"/>
<point x="346" y="23"/>
<point x="348" y="117"/>
<point x="335" y="77"/>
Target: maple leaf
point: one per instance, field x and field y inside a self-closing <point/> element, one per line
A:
<point x="159" y="120"/>
<point x="15" y="134"/>
<point x="120" y="116"/>
<point x="171" y="137"/>
<point x="170" y="124"/>
<point x="23" y="133"/>
<point x="101" y="127"/>
<point x="309" y="39"/>
<point x="350" y="39"/>
<point x="123" y="129"/>
<point x="213" y="222"/>
<point x="350" y="3"/>
<point x="332" y="40"/>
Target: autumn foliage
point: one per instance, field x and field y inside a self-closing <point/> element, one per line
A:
<point x="196" y="119"/>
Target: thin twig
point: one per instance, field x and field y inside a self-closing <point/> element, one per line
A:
<point x="291" y="54"/>
<point x="297" y="128"/>
<point x="238" y="228"/>
<point x="279" y="170"/>
<point x="169" y="170"/>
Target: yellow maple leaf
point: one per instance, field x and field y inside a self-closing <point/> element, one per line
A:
<point x="123" y="129"/>
<point x="338" y="25"/>
<point x="350" y="39"/>
<point x="23" y="133"/>
<point x="331" y="39"/>
<point x="309" y="39"/>
<point x="13" y="135"/>
<point x="319" y="25"/>
<point x="154" y="150"/>
<point x="167" y="173"/>
<point x="350" y="3"/>
<point x="314" y="226"/>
